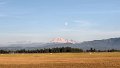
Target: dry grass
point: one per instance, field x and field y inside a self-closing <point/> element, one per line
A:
<point x="61" y="60"/>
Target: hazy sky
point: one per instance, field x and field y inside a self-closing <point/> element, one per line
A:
<point x="42" y="20"/>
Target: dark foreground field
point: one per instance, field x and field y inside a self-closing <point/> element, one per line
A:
<point x="61" y="60"/>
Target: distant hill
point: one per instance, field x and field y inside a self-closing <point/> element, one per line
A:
<point x="112" y="43"/>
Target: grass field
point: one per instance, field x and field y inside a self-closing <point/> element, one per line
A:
<point x="61" y="60"/>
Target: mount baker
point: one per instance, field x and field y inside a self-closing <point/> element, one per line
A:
<point x="62" y="40"/>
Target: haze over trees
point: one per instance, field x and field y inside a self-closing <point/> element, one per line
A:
<point x="55" y="50"/>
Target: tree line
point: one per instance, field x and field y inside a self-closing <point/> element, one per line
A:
<point x="55" y="50"/>
<point x="109" y="50"/>
<point x="49" y="50"/>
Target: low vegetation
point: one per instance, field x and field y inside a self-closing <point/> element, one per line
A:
<point x="64" y="57"/>
<point x="61" y="60"/>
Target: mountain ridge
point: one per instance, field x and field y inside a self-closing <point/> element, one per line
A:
<point x="111" y="43"/>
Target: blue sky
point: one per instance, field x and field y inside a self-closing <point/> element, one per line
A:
<point x="42" y="20"/>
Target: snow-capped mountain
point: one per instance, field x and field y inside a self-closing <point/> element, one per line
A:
<point x="104" y="44"/>
<point x="62" y="40"/>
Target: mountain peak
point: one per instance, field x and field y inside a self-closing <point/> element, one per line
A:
<point x="62" y="40"/>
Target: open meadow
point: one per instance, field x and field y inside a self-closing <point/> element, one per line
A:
<point x="61" y="60"/>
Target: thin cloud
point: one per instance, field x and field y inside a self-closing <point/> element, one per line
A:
<point x="78" y="25"/>
<point x="83" y="23"/>
<point x="99" y="12"/>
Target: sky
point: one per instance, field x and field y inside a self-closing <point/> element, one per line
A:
<point x="43" y="20"/>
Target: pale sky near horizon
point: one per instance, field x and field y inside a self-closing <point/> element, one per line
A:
<point x="43" y="20"/>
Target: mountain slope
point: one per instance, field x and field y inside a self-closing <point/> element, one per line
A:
<point x="112" y="43"/>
